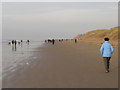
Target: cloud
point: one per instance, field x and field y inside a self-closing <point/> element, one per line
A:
<point x="67" y="16"/>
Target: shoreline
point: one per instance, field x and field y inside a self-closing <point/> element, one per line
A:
<point x="65" y="65"/>
<point x="21" y="57"/>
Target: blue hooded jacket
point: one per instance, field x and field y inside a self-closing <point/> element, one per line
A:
<point x="106" y="49"/>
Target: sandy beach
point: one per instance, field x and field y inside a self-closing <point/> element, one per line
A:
<point x="65" y="65"/>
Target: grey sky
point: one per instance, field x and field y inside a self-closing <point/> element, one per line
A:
<point x="56" y="20"/>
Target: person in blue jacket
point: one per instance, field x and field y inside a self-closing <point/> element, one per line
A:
<point x="106" y="50"/>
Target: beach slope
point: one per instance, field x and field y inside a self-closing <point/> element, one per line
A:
<point x="65" y="65"/>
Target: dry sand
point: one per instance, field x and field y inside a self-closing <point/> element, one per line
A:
<point x="65" y="65"/>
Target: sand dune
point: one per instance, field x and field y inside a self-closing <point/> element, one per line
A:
<point x="98" y="35"/>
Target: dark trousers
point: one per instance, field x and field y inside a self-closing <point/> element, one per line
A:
<point x="107" y="62"/>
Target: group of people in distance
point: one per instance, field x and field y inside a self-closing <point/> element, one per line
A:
<point x="50" y="41"/>
<point x="19" y="42"/>
<point x="15" y="42"/>
<point x="60" y="40"/>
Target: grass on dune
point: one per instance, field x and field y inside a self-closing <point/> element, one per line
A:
<point x="99" y="34"/>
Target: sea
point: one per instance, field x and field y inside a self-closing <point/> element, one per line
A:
<point x="13" y="57"/>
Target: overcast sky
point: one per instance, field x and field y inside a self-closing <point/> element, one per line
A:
<point x="39" y="21"/>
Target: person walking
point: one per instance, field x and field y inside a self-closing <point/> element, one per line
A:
<point x="75" y="40"/>
<point x="106" y="51"/>
<point x="15" y="44"/>
<point x="53" y="41"/>
<point x="28" y="42"/>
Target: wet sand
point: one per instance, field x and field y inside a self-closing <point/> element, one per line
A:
<point x="65" y="65"/>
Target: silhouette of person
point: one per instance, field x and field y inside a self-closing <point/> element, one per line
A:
<point x="15" y="44"/>
<point x="9" y="42"/>
<point x="28" y="42"/>
<point x="53" y="41"/>
<point x="106" y="51"/>
<point x="12" y="41"/>
<point x="21" y="42"/>
<point x="45" y="41"/>
<point x="18" y="42"/>
<point x="49" y="41"/>
<point x="75" y="40"/>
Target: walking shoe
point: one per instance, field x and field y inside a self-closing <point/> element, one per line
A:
<point x="107" y="71"/>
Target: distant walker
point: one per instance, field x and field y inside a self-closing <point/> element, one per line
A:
<point x="75" y="40"/>
<point x="53" y="41"/>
